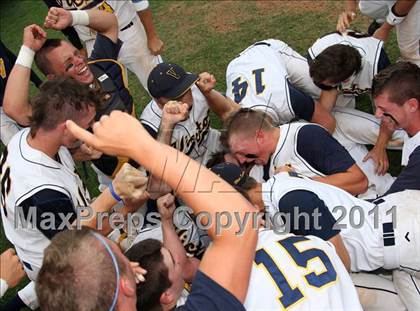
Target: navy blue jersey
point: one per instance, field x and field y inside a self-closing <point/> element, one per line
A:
<point x="322" y="151"/>
<point x="300" y="205"/>
<point x="207" y="295"/>
<point x="302" y="104"/>
<point x="409" y="178"/>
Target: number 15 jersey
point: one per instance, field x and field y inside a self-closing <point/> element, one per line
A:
<point x="298" y="273"/>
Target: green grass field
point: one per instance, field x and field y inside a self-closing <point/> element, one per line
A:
<point x="205" y="36"/>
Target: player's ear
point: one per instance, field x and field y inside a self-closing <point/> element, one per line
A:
<point x="127" y="288"/>
<point x="259" y="135"/>
<point x="62" y="126"/>
<point x="413" y="104"/>
<point x="166" y="298"/>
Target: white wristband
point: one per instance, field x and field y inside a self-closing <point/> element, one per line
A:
<point x="80" y="18"/>
<point x="140" y="5"/>
<point x="3" y="287"/>
<point x="393" y="19"/>
<point x="25" y="57"/>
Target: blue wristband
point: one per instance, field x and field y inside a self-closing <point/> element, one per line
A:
<point x="113" y="193"/>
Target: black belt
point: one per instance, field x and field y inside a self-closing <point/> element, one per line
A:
<point x="127" y="26"/>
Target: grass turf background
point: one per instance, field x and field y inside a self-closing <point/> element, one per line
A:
<point x="205" y="36"/>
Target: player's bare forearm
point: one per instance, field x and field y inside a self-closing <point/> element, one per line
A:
<point x="156" y="187"/>
<point x="341" y="250"/>
<point x="323" y="117"/>
<point x="102" y="204"/>
<point x="353" y="180"/>
<point x="153" y="41"/>
<point x="172" y="242"/>
<point x="220" y="105"/>
<point x="327" y="99"/>
<point x="104" y="23"/>
<point x="16" y="96"/>
<point x="403" y="7"/>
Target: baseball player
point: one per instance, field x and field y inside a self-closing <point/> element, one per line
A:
<point x="141" y="44"/>
<point x="179" y="113"/>
<point x="343" y="66"/>
<point x="274" y="271"/>
<point x="40" y="190"/>
<point x="271" y="76"/>
<point x="402" y="15"/>
<point x="375" y="238"/>
<point x="57" y="57"/>
<point x="397" y="100"/>
<point x="308" y="148"/>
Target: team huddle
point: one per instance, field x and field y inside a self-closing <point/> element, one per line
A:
<point x="285" y="207"/>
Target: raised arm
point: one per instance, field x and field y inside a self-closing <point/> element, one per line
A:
<point x="154" y="43"/>
<point x="222" y="106"/>
<point x="101" y="21"/>
<point x="16" y="96"/>
<point x="173" y="112"/>
<point x="347" y="16"/>
<point x="166" y="208"/>
<point x="121" y="134"/>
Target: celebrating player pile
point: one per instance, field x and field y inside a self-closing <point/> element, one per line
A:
<point x="295" y="211"/>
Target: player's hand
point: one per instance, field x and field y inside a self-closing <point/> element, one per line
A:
<point x="166" y="206"/>
<point x="388" y="124"/>
<point x="85" y="153"/>
<point x="206" y="82"/>
<point x="155" y="45"/>
<point x="174" y="112"/>
<point x="380" y="157"/>
<point x="58" y="19"/>
<point x="344" y="20"/>
<point x="382" y="33"/>
<point x="130" y="185"/>
<point x="34" y="37"/>
<point x="11" y="268"/>
<point x="138" y="272"/>
<point x="92" y="153"/>
<point x="115" y="134"/>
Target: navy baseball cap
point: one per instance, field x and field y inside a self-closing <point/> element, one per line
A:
<point x="230" y="172"/>
<point x="169" y="80"/>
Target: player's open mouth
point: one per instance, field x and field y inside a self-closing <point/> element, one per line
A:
<point x="83" y="71"/>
